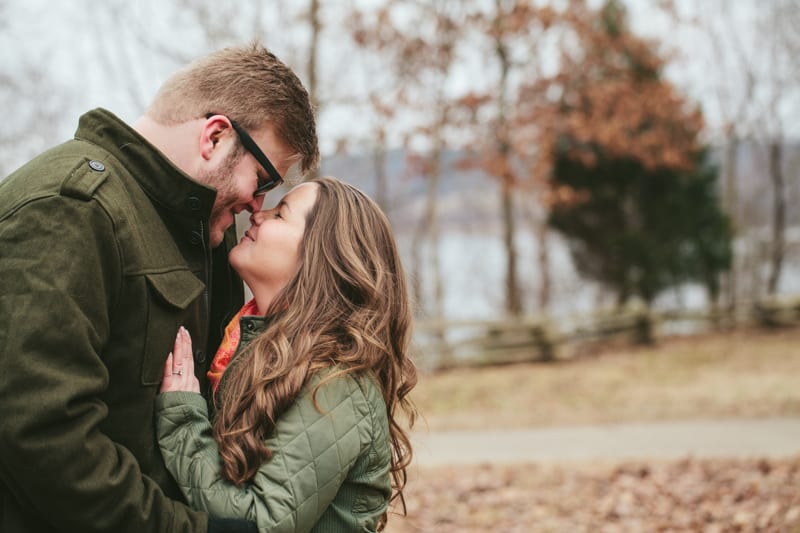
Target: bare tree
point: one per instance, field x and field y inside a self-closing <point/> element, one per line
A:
<point x="315" y="30"/>
<point x="506" y="174"/>
<point x="32" y="90"/>
<point x="514" y="32"/>
<point x="733" y="102"/>
<point x="783" y="88"/>
<point x="749" y="55"/>
<point x="420" y="51"/>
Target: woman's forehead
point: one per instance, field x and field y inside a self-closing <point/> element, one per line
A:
<point x="304" y="193"/>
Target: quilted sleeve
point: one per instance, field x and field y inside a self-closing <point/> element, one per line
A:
<point x="312" y="454"/>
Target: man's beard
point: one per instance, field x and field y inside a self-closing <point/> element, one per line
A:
<point x="222" y="179"/>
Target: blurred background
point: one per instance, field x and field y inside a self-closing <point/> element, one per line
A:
<point x="536" y="158"/>
<point x="566" y="178"/>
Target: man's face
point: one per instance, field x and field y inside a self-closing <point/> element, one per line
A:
<point x="230" y="200"/>
<point x="236" y="179"/>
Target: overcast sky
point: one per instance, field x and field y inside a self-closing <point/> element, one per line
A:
<point x="86" y="52"/>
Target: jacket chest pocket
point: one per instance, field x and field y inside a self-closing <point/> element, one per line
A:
<point x="169" y="298"/>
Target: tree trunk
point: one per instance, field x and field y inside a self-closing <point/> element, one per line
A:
<point x="513" y="299"/>
<point x="731" y="200"/>
<point x="427" y="233"/>
<point x="543" y="256"/>
<point x="431" y="218"/>
<point x="313" y="49"/>
<point x="417" y="268"/>
<point x="778" y="215"/>
<point x="311" y="74"/>
<point x="381" y="182"/>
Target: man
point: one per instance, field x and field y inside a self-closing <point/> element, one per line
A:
<point x="108" y="243"/>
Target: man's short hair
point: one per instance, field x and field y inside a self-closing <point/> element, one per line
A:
<point x="250" y="85"/>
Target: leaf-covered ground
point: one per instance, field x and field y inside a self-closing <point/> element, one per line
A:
<point x="748" y="373"/>
<point x="690" y="495"/>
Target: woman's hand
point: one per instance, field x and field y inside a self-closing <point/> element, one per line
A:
<point x="179" y="368"/>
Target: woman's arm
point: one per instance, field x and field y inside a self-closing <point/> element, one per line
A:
<point x="312" y="454"/>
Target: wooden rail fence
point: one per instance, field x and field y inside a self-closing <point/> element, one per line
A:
<point x="446" y="344"/>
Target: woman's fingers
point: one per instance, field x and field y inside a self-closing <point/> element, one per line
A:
<point x="168" y="366"/>
<point x="186" y="359"/>
<point x="179" y="366"/>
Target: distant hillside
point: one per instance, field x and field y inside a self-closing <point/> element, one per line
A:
<point x="468" y="200"/>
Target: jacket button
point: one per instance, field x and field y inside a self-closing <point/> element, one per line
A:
<point x="193" y="202"/>
<point x="249" y="326"/>
<point x="96" y="165"/>
<point x="195" y="237"/>
<point x="199" y="357"/>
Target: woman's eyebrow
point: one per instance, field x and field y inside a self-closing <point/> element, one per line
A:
<point x="285" y="204"/>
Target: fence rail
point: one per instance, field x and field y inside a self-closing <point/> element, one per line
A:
<point x="446" y="344"/>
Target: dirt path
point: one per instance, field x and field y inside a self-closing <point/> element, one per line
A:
<point x="742" y="438"/>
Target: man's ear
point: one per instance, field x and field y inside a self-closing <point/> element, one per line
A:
<point x="214" y="134"/>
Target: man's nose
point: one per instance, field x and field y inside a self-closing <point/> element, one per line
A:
<point x="255" y="205"/>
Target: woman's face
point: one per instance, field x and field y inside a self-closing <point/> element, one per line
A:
<point x="268" y="255"/>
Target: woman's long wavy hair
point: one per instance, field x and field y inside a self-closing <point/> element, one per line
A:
<point x="347" y="306"/>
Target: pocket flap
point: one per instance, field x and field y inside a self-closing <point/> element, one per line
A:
<point x="178" y="288"/>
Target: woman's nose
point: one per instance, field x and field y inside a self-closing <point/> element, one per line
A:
<point x="257" y="217"/>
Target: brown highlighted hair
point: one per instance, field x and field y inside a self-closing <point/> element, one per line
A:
<point x="250" y="85"/>
<point x="348" y="307"/>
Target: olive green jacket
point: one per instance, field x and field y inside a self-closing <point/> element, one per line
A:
<point x="329" y="471"/>
<point x="103" y="255"/>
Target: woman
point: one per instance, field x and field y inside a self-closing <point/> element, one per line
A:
<point x="311" y="381"/>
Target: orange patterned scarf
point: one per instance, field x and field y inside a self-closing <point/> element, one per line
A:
<point x="230" y="341"/>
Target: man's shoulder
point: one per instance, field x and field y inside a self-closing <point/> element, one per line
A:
<point x="74" y="169"/>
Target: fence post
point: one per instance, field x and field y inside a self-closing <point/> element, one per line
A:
<point x="643" y="327"/>
<point x="544" y="339"/>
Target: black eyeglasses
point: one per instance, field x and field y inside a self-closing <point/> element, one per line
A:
<point x="250" y="145"/>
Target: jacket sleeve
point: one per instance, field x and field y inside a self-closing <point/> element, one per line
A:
<point x="312" y="454"/>
<point x="59" y="274"/>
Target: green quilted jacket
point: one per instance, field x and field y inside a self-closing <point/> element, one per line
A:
<point x="329" y="471"/>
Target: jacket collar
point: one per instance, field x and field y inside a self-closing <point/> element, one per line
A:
<point x="251" y="326"/>
<point x="163" y="182"/>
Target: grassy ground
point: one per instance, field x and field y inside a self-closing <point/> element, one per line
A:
<point x="745" y="373"/>
<point x="741" y="374"/>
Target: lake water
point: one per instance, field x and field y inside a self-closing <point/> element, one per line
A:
<point x="473" y="268"/>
